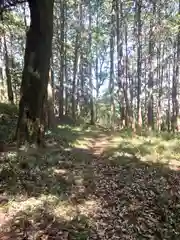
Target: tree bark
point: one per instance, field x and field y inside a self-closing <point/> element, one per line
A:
<point x="175" y="103"/>
<point x="8" y="74"/>
<point x="150" y="77"/>
<point x="111" y="83"/>
<point x="61" y="77"/>
<point x="139" y="53"/>
<point x="75" y="70"/>
<point x="92" y="120"/>
<point x="120" y="70"/>
<point x="31" y="121"/>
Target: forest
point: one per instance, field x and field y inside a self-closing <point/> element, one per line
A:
<point x="89" y="119"/>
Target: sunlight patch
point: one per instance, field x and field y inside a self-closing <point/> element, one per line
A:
<point x="65" y="211"/>
<point x="29" y="204"/>
<point x="174" y="164"/>
<point x="116" y="139"/>
<point x="60" y="171"/>
<point x="83" y="143"/>
<point x="88" y="207"/>
<point x="69" y="211"/>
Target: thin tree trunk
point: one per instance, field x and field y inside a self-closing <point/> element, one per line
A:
<point x="139" y="53"/>
<point x="97" y="63"/>
<point x="111" y="83"/>
<point x="150" y="77"/>
<point x="175" y="102"/>
<point x="119" y="33"/>
<point x="160" y="90"/>
<point x="61" y="80"/>
<point x="168" y="115"/>
<point x="66" y="62"/>
<point x="8" y="74"/>
<point x="126" y="89"/>
<point x="175" y="107"/>
<point x="75" y="70"/>
<point x="92" y="120"/>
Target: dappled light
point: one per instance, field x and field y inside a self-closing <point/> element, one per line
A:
<point x="147" y="149"/>
<point x="117" y="186"/>
<point x="89" y="120"/>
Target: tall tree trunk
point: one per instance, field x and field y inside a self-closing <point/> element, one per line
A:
<point x="168" y="113"/>
<point x="8" y="74"/>
<point x="92" y="120"/>
<point x="75" y="70"/>
<point x="31" y="122"/>
<point x="150" y="77"/>
<point x="139" y="53"/>
<point x="97" y="62"/>
<point x="119" y="33"/>
<point x="129" y="117"/>
<point x="175" y="103"/>
<point x="80" y="62"/>
<point x="111" y="83"/>
<point x="177" y="71"/>
<point x="160" y="90"/>
<point x="61" y="80"/>
<point x="66" y="62"/>
<point x="97" y="82"/>
<point x="175" y="107"/>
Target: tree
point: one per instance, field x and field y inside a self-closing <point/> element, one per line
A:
<point x="139" y="53"/>
<point x="175" y="103"/>
<point x="62" y="67"/>
<point x="150" y="77"/>
<point x="133" y="49"/>
<point x="111" y="80"/>
<point x="92" y="120"/>
<point x="31" y="121"/>
<point x="8" y="74"/>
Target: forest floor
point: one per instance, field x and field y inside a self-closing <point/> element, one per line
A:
<point x="92" y="184"/>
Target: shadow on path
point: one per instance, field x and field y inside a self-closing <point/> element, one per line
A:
<point x="76" y="193"/>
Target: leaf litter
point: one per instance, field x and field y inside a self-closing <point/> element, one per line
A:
<point x="108" y="199"/>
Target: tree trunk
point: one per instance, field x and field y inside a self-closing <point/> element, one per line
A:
<point x="50" y="103"/>
<point x="129" y="117"/>
<point x="175" y="107"/>
<point x="97" y="64"/>
<point x="168" y="112"/>
<point x="139" y="53"/>
<point x="75" y="67"/>
<point x="120" y="70"/>
<point x="8" y="74"/>
<point x="31" y="122"/>
<point x="66" y="62"/>
<point x="160" y="90"/>
<point x="92" y="121"/>
<point x="175" y="103"/>
<point x="111" y="83"/>
<point x="61" y="80"/>
<point x="150" y="77"/>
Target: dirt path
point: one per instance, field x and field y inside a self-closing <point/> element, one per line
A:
<point x="100" y="144"/>
<point x="138" y="201"/>
<point x="96" y="197"/>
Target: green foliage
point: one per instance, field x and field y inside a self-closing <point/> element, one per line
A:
<point x="8" y="120"/>
<point x="8" y="109"/>
<point x="12" y="21"/>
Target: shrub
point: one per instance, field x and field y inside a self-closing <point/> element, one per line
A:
<point x="8" y="109"/>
